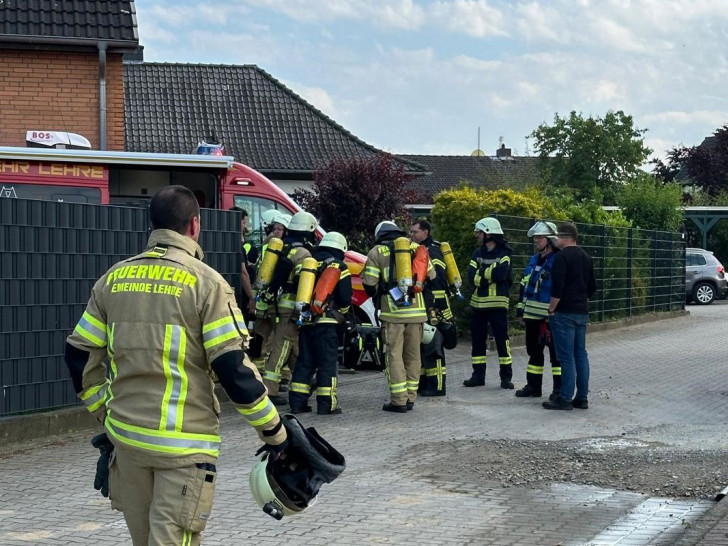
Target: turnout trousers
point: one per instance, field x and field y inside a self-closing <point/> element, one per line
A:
<point x="497" y="319"/>
<point x="432" y="376"/>
<point x="284" y="351"/>
<point x="264" y="329"/>
<point x="318" y="354"/>
<point x="403" y="362"/>
<point x="535" y="344"/>
<point x="165" y="500"/>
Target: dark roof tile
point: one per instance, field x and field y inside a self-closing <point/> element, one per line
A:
<point x="169" y="108"/>
<point x="480" y="171"/>
<point x="69" y="19"/>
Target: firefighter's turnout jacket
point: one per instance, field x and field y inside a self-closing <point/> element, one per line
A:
<point x="379" y="272"/>
<point x="162" y="318"/>
<point x="438" y="287"/>
<point x="341" y="296"/>
<point x="535" y="292"/>
<point x="490" y="273"/>
<point x="296" y="251"/>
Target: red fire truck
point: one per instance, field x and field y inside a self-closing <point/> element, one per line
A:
<point x="130" y="178"/>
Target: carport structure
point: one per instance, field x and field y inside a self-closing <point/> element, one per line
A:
<point x="705" y="218"/>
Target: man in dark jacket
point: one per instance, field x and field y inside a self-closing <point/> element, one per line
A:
<point x="573" y="283"/>
<point x="490" y="273"/>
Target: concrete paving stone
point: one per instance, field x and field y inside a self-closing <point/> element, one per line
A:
<point x="638" y="386"/>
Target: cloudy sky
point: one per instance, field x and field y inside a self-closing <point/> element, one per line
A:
<point x="421" y="77"/>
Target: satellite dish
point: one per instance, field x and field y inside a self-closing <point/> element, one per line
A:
<point x="477" y="153"/>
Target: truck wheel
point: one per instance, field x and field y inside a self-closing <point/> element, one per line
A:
<point x="703" y="293"/>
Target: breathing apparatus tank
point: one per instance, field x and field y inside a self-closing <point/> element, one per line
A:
<point x="419" y="268"/>
<point x="453" y="274"/>
<point x="403" y="266"/>
<point x="268" y="265"/>
<point x="324" y="288"/>
<point x="306" y="282"/>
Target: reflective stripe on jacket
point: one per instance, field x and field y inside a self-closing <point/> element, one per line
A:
<point x="535" y="292"/>
<point x="490" y="273"/>
<point x="161" y="318"/>
<point x="376" y="273"/>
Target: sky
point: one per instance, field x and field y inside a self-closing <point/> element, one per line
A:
<point x="423" y="77"/>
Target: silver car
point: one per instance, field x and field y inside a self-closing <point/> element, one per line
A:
<point x="704" y="277"/>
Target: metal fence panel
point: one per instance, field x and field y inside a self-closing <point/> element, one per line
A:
<point x="51" y="255"/>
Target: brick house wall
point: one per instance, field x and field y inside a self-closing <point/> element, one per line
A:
<point x="59" y="91"/>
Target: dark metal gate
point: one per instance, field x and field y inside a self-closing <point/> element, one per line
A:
<point x="50" y="256"/>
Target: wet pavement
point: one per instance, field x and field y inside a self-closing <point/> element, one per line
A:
<point x="662" y="382"/>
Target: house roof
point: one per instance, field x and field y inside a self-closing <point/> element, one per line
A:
<point x="171" y="107"/>
<point x="68" y="21"/>
<point x="481" y="171"/>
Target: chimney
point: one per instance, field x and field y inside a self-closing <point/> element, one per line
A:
<point x="503" y="151"/>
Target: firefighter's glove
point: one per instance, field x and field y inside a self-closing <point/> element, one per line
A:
<point x="101" y="481"/>
<point x="275" y="451"/>
<point x="544" y="335"/>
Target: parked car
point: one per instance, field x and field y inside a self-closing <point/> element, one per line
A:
<point x="704" y="277"/>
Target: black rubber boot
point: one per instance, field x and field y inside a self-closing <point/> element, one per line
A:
<point x="478" y="377"/>
<point x="506" y="374"/>
<point x="410" y="406"/>
<point x="529" y="391"/>
<point x="298" y="402"/>
<point x="323" y="406"/>
<point x="431" y="387"/>
<point x="283" y="385"/>
<point x="394" y="409"/>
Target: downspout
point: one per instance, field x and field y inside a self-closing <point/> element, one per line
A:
<point x="102" y="95"/>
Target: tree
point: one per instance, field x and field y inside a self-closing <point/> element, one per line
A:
<point x="594" y="156"/>
<point x="704" y="166"/>
<point x="650" y="204"/>
<point x="353" y="195"/>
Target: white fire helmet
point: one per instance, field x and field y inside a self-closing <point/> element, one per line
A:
<point x="267" y="217"/>
<point x="281" y="218"/>
<point x="384" y="227"/>
<point x="489" y="226"/>
<point x="334" y="239"/>
<point x="428" y="333"/>
<point x="303" y="221"/>
<point x="269" y="495"/>
<point x="546" y="229"/>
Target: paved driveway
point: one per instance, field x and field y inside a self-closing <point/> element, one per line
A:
<point x="665" y="382"/>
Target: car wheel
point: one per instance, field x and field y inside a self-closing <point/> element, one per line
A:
<point x="703" y="293"/>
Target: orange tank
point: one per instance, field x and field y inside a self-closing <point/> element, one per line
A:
<point x="324" y="288"/>
<point x="419" y="268"/>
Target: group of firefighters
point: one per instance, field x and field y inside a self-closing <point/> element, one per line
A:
<point x="143" y="360"/>
<point x="303" y="304"/>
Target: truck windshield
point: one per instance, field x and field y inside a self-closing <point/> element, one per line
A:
<point x="255" y="207"/>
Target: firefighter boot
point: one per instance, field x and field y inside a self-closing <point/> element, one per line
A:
<point x="532" y="388"/>
<point x="506" y="374"/>
<point x="529" y="391"/>
<point x="478" y="377"/>
<point x="435" y="386"/>
<point x="298" y="402"/>
<point x="323" y="406"/>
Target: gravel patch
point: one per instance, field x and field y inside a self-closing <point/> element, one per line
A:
<point x="620" y="463"/>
